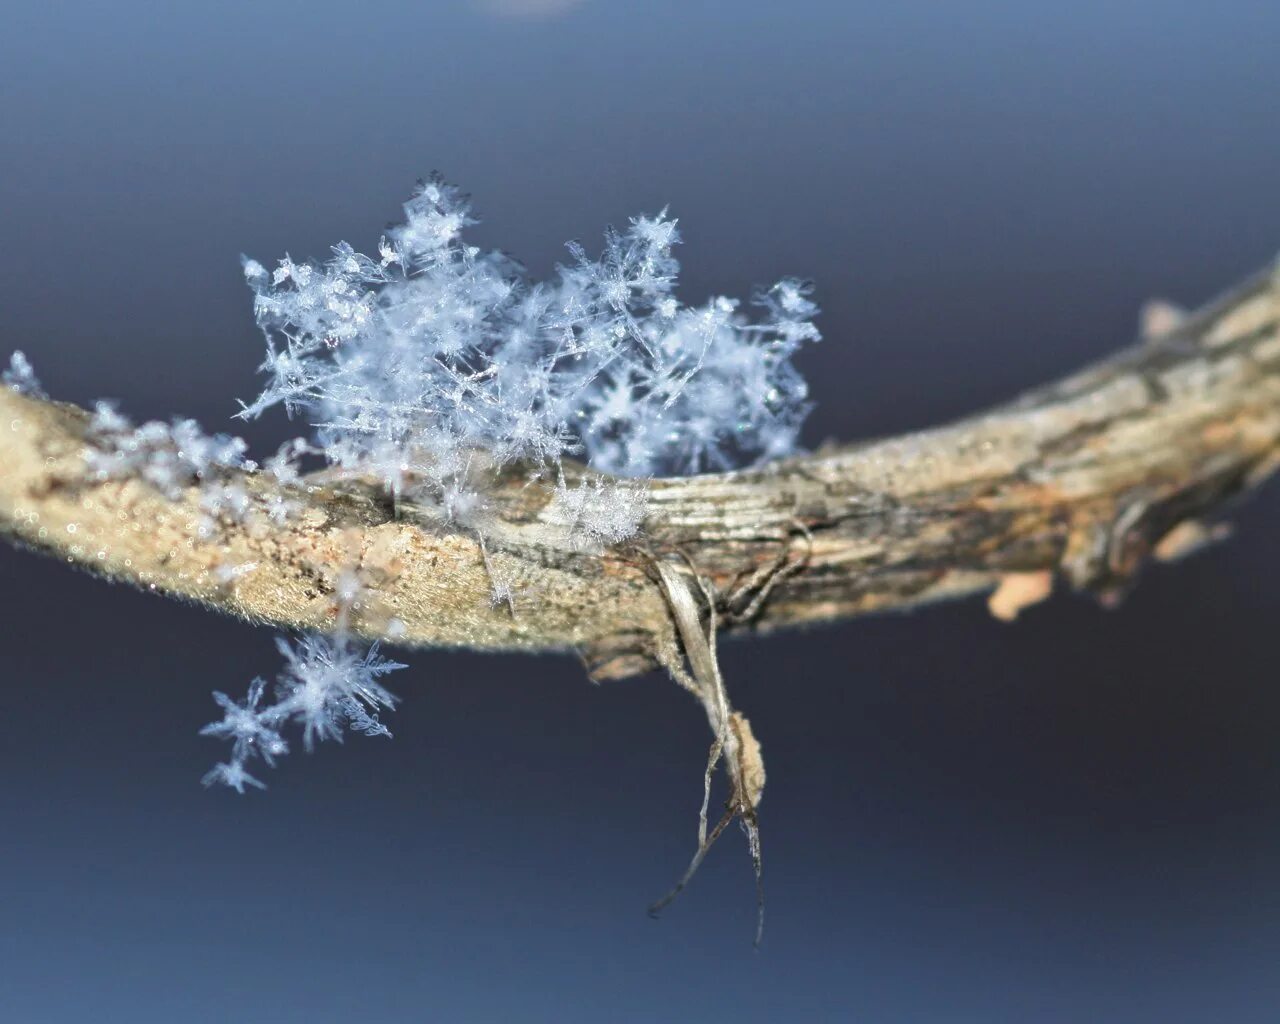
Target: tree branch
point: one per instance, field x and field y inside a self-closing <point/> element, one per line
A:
<point x="1081" y="479"/>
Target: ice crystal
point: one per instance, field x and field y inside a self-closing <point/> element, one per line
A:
<point x="21" y="378"/>
<point x="233" y="775"/>
<point x="329" y="685"/>
<point x="598" y="511"/>
<point x="412" y="361"/>
<point x="172" y="457"/>
<point x="169" y="456"/>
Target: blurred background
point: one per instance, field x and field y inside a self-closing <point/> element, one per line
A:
<point x="1074" y="818"/>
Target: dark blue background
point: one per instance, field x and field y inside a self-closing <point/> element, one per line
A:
<point x="1076" y="818"/>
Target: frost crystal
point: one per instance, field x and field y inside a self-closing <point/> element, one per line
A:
<point x="169" y="456"/>
<point x="412" y="361"/>
<point x="21" y="378"/>
<point x="172" y="457"/>
<point x="598" y="511"/>
<point x="233" y="775"/>
<point x="251" y="729"/>
<point x="329" y="684"/>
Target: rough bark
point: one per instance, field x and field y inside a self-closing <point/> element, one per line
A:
<point x="1081" y="479"/>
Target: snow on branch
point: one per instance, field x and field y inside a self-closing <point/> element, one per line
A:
<point x="413" y="361"/>
<point x="452" y="501"/>
<point x="432" y="366"/>
<point x="1083" y="478"/>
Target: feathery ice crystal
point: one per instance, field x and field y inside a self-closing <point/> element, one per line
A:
<point x="329" y="685"/>
<point x="412" y="361"/>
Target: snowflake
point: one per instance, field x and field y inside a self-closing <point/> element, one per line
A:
<point x="252" y="729"/>
<point x="329" y="685"/>
<point x="233" y="775"/>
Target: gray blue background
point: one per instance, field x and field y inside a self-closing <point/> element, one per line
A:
<point x="1076" y="818"/>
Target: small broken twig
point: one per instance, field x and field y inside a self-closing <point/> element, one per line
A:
<point x="734" y="739"/>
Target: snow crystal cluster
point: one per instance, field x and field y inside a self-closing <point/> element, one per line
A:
<point x="412" y="361"/>
<point x="329" y="685"/>
<point x="169" y="456"/>
<point x="174" y="456"/>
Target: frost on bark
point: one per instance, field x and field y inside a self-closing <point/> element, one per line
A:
<point x="1082" y="479"/>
